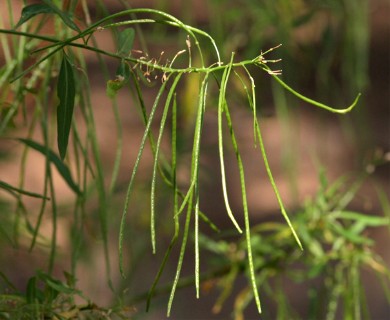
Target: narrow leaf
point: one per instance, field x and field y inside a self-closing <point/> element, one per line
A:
<point x="252" y="275"/>
<point x="373" y="221"/>
<point x="311" y="101"/>
<point x="32" y="10"/>
<point x="66" y="94"/>
<point x="351" y="236"/>
<point x="133" y="174"/>
<point x="181" y="255"/>
<point x="125" y="41"/>
<point x="65" y="16"/>
<point x="175" y="204"/>
<point x="11" y="189"/>
<point x="31" y="290"/>
<point x="55" y="284"/>
<point x="156" y="158"/>
<point x="221" y="103"/>
<point x="63" y="170"/>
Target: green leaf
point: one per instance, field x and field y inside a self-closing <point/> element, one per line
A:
<point x="55" y="284"/>
<point x="66" y="93"/>
<point x="125" y="41"/>
<point x="31" y="290"/>
<point x="32" y="10"/>
<point x="12" y="189"/>
<point x="351" y="235"/>
<point x="368" y="220"/>
<point x="63" y="15"/>
<point x="62" y="169"/>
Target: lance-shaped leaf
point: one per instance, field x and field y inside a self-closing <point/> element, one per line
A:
<point x="63" y="15"/>
<point x="66" y="94"/>
<point x="62" y="169"/>
<point x="32" y="10"/>
<point x="13" y="190"/>
<point x="125" y="41"/>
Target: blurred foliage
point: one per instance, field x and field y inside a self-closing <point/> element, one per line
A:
<point x="322" y="40"/>
<point x="48" y="298"/>
<point x="321" y="37"/>
<point x="337" y="250"/>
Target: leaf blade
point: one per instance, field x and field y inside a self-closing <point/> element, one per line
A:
<point x="66" y="93"/>
<point x="125" y="41"/>
<point x="31" y="11"/>
<point x="62" y="169"/>
<point x="65" y="17"/>
<point x="12" y="189"/>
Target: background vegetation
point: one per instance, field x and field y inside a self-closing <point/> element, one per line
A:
<point x="72" y="121"/>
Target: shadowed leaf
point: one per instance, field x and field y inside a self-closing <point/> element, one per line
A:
<point x="12" y="190"/>
<point x="125" y="41"/>
<point x="32" y="10"/>
<point x="63" y="170"/>
<point x="63" y="15"/>
<point x="66" y="94"/>
<point x="122" y="77"/>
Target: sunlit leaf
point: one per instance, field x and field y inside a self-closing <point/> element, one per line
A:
<point x="66" y="94"/>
